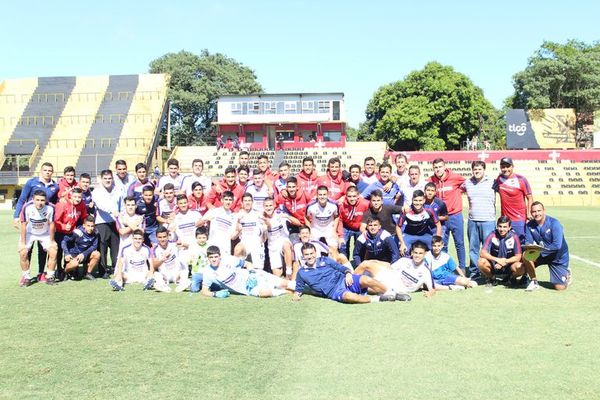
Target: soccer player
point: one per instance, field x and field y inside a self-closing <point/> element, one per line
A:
<point x="334" y="179"/>
<point x="351" y="212"/>
<point x="278" y="240"/>
<point x="137" y="187"/>
<point x="547" y="232"/>
<point x="293" y="202"/>
<point x="259" y="190"/>
<point x="166" y="205"/>
<point x="407" y="275"/>
<point x="134" y="265"/>
<point x="437" y="205"/>
<point x="308" y="178"/>
<point x="244" y="159"/>
<point x="515" y="196"/>
<point x="482" y="212"/>
<point x="80" y="247"/>
<point x="355" y="177"/>
<point x="37" y="225"/>
<point x="414" y="183"/>
<point x="375" y="244"/>
<point x="173" y="177"/>
<point x="243" y="178"/>
<point x="198" y="201"/>
<point x="322" y="248"/>
<point x="284" y="173"/>
<point x="227" y="184"/>
<point x="107" y="198"/>
<point x="196" y="176"/>
<point x="446" y="274"/>
<point x="323" y="215"/>
<point x="168" y="266"/>
<point x="66" y="183"/>
<point x="326" y="278"/>
<point x="223" y="222"/>
<point x="392" y="194"/>
<point x="265" y="167"/>
<point x="128" y="221"/>
<point x="199" y="254"/>
<point x="184" y="225"/>
<point x="68" y="214"/>
<point x="252" y="232"/>
<point x="501" y="253"/>
<point x="384" y="212"/>
<point x="85" y="181"/>
<point x="369" y="174"/>
<point x="416" y="224"/>
<point x="229" y="274"/>
<point x="146" y="207"/>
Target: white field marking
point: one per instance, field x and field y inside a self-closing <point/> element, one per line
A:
<point x="595" y="264"/>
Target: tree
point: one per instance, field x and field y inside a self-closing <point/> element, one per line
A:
<point x="195" y="85"/>
<point x="561" y="76"/>
<point x="435" y="108"/>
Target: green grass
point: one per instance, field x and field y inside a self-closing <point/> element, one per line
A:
<point x="81" y="340"/>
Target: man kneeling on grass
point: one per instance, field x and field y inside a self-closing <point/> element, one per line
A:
<point x="168" y="264"/>
<point x="406" y="275"/>
<point x="228" y="274"/>
<point x="134" y="264"/>
<point x="327" y="278"/>
<point x="80" y="247"/>
<point x="446" y="274"/>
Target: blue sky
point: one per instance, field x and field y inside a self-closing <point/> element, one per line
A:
<point x="294" y="46"/>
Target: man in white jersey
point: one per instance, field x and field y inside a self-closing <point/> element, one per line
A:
<point x="134" y="264"/>
<point x="252" y="232"/>
<point x="165" y="211"/>
<point x="259" y="190"/>
<point x="229" y="274"/>
<point x="168" y="266"/>
<point x="323" y="216"/>
<point x="278" y="239"/>
<point x="128" y="221"/>
<point x="406" y="275"/>
<point x="223" y="222"/>
<point x="196" y="176"/>
<point x="37" y="225"/>
<point x="184" y="227"/>
<point x="414" y="183"/>
<point x="173" y="176"/>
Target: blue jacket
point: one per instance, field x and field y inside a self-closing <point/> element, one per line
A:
<point x="31" y="186"/>
<point x="551" y="237"/>
<point x="323" y="278"/>
<point x="380" y="247"/>
<point x="388" y="197"/>
<point x="79" y="242"/>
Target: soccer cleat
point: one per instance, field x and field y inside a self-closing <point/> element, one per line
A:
<point x="388" y="297"/>
<point x="533" y="285"/>
<point x="115" y="285"/>
<point x="25" y="281"/>
<point x="183" y="286"/>
<point x="41" y="278"/>
<point x="162" y="288"/>
<point x="149" y="284"/>
<point x="106" y="275"/>
<point x="50" y="280"/>
<point x="403" y="297"/>
<point x="472" y="284"/>
<point x="89" y="277"/>
<point x="456" y="287"/>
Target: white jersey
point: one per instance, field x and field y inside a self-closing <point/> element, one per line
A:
<point x="169" y="179"/>
<point x="135" y="261"/>
<point x="171" y="265"/>
<point x="165" y="208"/>
<point x="188" y="181"/>
<point x="226" y="274"/>
<point x="124" y="220"/>
<point x="278" y="229"/>
<point x="406" y="277"/>
<point x="401" y="179"/>
<point x="222" y="226"/>
<point x="322" y="218"/>
<point x="407" y="191"/>
<point x="38" y="221"/>
<point x="252" y="227"/>
<point x="185" y="226"/>
<point x="258" y="195"/>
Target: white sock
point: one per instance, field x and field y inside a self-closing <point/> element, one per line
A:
<point x="374" y="299"/>
<point x="49" y="274"/>
<point x="278" y="292"/>
<point x="291" y="285"/>
<point x="288" y="271"/>
<point x="26" y="274"/>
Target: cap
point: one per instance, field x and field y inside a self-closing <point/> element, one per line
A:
<point x="506" y="160"/>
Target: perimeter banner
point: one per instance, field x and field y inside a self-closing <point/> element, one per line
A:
<point x="550" y="128"/>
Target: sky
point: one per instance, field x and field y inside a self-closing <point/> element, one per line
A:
<point x="293" y="46"/>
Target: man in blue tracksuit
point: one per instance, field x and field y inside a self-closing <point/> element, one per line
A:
<point x="375" y="244"/>
<point x="81" y="247"/>
<point x="324" y="277"/>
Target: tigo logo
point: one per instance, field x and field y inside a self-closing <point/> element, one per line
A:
<point x="518" y="129"/>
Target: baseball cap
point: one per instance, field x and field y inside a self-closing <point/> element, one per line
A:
<point x="506" y="160"/>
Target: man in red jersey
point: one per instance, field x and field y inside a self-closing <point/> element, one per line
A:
<point x="515" y="196"/>
<point x="333" y="179"/>
<point x="447" y="184"/>
<point x="293" y="202"/>
<point x="228" y="183"/>
<point x="351" y="212"/>
<point x="307" y="179"/>
<point x="68" y="214"/>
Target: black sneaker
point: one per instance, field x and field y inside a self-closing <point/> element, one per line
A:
<point x="51" y="280"/>
<point x="106" y="275"/>
<point x="403" y="297"/>
<point x="115" y="285"/>
<point x="149" y="284"/>
<point x="89" y="277"/>
<point x="387" y="297"/>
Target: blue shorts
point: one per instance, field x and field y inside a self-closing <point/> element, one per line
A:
<point x="338" y="292"/>
<point x="448" y="280"/>
<point x="558" y="272"/>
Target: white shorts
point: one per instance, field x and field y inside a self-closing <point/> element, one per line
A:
<point x="134" y="276"/>
<point x="332" y="240"/>
<point x="276" y="253"/>
<point x="170" y="276"/>
<point x="30" y="239"/>
<point x="391" y="280"/>
<point x="265" y="281"/>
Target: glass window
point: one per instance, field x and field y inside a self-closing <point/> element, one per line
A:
<point x="332" y="136"/>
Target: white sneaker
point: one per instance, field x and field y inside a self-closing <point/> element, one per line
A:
<point x="162" y="288"/>
<point x="473" y="284"/>
<point x="533" y="285"/>
<point x="183" y="286"/>
<point x="456" y="287"/>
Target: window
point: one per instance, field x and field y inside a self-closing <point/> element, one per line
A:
<point x="254" y="106"/>
<point x="254" y="137"/>
<point x="290" y="106"/>
<point x="332" y="136"/>
<point x="288" y="136"/>
<point x="307" y="106"/>
<point x="236" y="107"/>
<point x="324" y="106"/>
<point x="270" y="106"/>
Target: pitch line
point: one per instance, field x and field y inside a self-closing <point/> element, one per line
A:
<point x="585" y="261"/>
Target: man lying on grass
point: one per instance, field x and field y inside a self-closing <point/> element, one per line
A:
<point x="229" y="274"/>
<point x="326" y="278"/>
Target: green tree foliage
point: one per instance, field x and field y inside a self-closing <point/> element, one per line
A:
<point x="435" y="108"/>
<point x="196" y="83"/>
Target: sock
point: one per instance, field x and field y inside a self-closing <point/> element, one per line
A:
<point x="374" y="299"/>
<point x="291" y="285"/>
<point x="288" y="271"/>
<point x="49" y="274"/>
<point x="278" y="292"/>
<point x="26" y="274"/>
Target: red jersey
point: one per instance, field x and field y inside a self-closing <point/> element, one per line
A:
<point x="64" y="188"/>
<point x="351" y="215"/>
<point x="65" y="213"/>
<point x="448" y="190"/>
<point x="296" y="207"/>
<point x="198" y="204"/>
<point x="238" y="190"/>
<point x="513" y="191"/>
<point x="307" y="184"/>
<point x="336" y="185"/>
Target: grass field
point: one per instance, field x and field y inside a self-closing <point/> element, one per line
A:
<point x="81" y="340"/>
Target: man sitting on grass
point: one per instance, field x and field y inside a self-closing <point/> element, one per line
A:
<point x="446" y="274"/>
<point x="81" y="247"/>
<point x="326" y="278"/>
<point x="169" y="266"/>
<point x="134" y="264"/>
